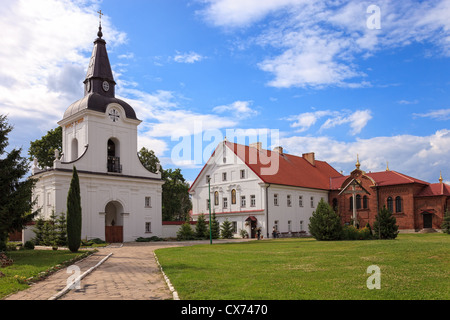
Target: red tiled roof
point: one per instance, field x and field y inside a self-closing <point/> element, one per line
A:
<point x="382" y="178"/>
<point x="435" y="189"/>
<point x="292" y="170"/>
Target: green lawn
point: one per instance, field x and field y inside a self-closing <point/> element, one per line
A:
<point x="414" y="266"/>
<point x="33" y="263"/>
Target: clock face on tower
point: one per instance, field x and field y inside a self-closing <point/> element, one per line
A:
<point x="105" y="85"/>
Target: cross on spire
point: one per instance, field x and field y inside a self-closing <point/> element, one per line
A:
<point x="100" y="14"/>
<point x="99" y="33"/>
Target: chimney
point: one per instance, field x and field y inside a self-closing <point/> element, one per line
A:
<point x="256" y="145"/>
<point x="310" y="158"/>
<point x="278" y="149"/>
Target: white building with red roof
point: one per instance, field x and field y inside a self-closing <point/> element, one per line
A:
<point x="257" y="188"/>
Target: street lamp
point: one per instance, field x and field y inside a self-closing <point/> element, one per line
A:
<point x="209" y="205"/>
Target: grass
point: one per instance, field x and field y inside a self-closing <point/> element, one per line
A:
<point x="33" y="265"/>
<point x="414" y="266"/>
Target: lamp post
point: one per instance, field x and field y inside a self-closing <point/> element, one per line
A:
<point x="209" y="205"/>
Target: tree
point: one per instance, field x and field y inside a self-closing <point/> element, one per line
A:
<point x="226" y="230"/>
<point x="324" y="223"/>
<point x="15" y="190"/>
<point x="176" y="203"/>
<point x="148" y="159"/>
<point x="185" y="232"/>
<point x="44" y="149"/>
<point x="74" y="213"/>
<point x="215" y="227"/>
<point x="445" y="226"/>
<point x="201" y="230"/>
<point x="385" y="225"/>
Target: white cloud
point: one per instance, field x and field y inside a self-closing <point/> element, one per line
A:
<point x="441" y="114"/>
<point x="190" y="57"/>
<point x="316" y="43"/>
<point x="419" y="157"/>
<point x="45" y="51"/>
<point x="238" y="109"/>
<point x="357" y="120"/>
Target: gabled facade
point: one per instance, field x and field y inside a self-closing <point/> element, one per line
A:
<point x="120" y="199"/>
<point x="416" y="204"/>
<point x="256" y="188"/>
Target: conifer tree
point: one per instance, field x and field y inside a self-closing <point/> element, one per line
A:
<point x="445" y="226"/>
<point x="385" y="225"/>
<point x="215" y="227"/>
<point x="201" y="230"/>
<point x="15" y="192"/>
<point x="74" y="213"/>
<point x="324" y="223"/>
<point x="226" y="230"/>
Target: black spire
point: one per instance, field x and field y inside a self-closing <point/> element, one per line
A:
<point x="99" y="77"/>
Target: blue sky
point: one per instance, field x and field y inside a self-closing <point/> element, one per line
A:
<point x="312" y="71"/>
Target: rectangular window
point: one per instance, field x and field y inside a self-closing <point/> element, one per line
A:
<point x="275" y="199"/>
<point x="243" y="202"/>
<point x="312" y="202"/>
<point x="289" y="204"/>
<point x="300" y="201"/>
<point x="225" y="203"/>
<point x="148" y="227"/>
<point x="301" y="225"/>
<point x="289" y="226"/>
<point x="207" y="204"/>
<point x="252" y="200"/>
<point x="224" y="176"/>
<point x="242" y="174"/>
<point x="49" y="195"/>
<point x="276" y="225"/>
<point x="148" y="202"/>
<point x="234" y="224"/>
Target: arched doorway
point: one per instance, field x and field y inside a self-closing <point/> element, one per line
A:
<point x="113" y="222"/>
<point x="253" y="222"/>
<point x="114" y="156"/>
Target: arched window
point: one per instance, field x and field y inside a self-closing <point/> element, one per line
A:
<point x="351" y="203"/>
<point x="233" y="196"/>
<point x="74" y="149"/>
<point x="398" y="204"/>
<point x="365" y="202"/>
<point x="390" y="204"/>
<point x="114" y="156"/>
<point x="335" y="204"/>
<point x="216" y="198"/>
<point x="358" y="201"/>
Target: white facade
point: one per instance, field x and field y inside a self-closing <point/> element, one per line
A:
<point x="100" y="140"/>
<point x="230" y="174"/>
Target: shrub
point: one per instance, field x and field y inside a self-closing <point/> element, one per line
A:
<point x="385" y="226"/>
<point x="324" y="223"/>
<point x="445" y="226"/>
<point x="226" y="230"/>
<point x="185" y="232"/>
<point x="29" y="245"/>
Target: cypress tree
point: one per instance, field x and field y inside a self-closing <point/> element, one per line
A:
<point x="74" y="213"/>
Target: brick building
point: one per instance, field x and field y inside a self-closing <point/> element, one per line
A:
<point x="416" y="204"/>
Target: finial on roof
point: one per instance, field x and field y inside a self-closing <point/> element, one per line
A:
<point x="357" y="162"/>
<point x="99" y="33"/>
<point x="440" y="177"/>
<point x="387" y="165"/>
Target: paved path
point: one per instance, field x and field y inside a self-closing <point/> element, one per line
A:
<point x="130" y="273"/>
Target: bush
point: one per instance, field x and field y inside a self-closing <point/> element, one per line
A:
<point x="185" y="232"/>
<point x="324" y="223"/>
<point x="385" y="226"/>
<point x="445" y="226"/>
<point x="350" y="232"/>
<point x="29" y="245"/>
<point x="226" y="230"/>
<point x="154" y="238"/>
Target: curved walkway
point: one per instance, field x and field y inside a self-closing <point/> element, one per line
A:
<point x="130" y="273"/>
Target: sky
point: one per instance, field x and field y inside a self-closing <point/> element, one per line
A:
<point x="337" y="78"/>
